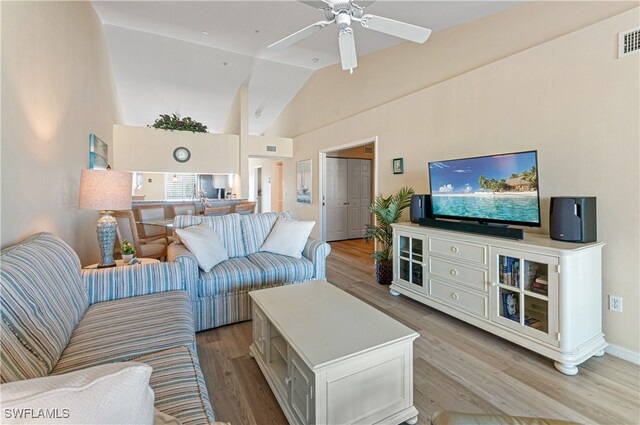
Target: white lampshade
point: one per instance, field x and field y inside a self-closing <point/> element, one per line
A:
<point x="105" y="190"/>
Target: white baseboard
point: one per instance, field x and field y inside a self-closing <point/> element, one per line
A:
<point x="623" y="353"/>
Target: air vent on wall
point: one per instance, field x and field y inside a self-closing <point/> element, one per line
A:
<point x="271" y="148"/>
<point x="368" y="149"/>
<point x="629" y="42"/>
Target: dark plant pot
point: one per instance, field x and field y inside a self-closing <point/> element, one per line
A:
<point x="384" y="272"/>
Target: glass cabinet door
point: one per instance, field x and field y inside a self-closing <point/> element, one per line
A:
<point x="409" y="266"/>
<point x="525" y="293"/>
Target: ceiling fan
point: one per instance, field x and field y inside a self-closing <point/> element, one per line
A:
<point x="343" y="13"/>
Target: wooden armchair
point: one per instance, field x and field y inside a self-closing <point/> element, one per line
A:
<point x="246" y="207"/>
<point x="150" y="233"/>
<point x="128" y="230"/>
<point x="183" y="209"/>
<point x="216" y="211"/>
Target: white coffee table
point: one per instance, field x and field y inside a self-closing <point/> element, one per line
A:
<point x="331" y="358"/>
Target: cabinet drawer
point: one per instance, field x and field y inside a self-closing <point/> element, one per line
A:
<point x="475" y="278"/>
<point x="460" y="250"/>
<point x="471" y="303"/>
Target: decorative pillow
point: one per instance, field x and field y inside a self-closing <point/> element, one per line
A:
<point x="205" y="243"/>
<point x="288" y="237"/>
<point x="116" y="393"/>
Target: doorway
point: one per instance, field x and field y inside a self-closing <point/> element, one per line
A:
<point x="276" y="187"/>
<point x="348" y="180"/>
<point x="258" y="189"/>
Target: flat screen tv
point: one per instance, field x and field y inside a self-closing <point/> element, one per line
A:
<point x="488" y="189"/>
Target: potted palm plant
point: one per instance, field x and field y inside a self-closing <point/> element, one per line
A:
<point x="387" y="211"/>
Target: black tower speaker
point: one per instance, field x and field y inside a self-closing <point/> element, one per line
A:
<point x="573" y="219"/>
<point x="420" y="207"/>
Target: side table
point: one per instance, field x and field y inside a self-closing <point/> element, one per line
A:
<point x="120" y="263"/>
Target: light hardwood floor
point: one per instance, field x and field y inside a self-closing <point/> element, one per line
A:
<point x="456" y="366"/>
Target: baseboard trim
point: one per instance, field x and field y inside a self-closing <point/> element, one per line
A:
<point x="623" y="353"/>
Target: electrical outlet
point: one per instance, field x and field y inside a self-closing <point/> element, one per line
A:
<point x="615" y="303"/>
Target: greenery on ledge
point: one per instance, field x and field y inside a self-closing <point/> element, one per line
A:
<point x="173" y="122"/>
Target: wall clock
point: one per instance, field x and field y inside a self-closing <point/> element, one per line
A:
<point x="181" y="154"/>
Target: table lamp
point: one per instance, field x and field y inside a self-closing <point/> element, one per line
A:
<point x="105" y="191"/>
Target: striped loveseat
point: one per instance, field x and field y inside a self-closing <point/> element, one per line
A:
<point x="57" y="318"/>
<point x="221" y="296"/>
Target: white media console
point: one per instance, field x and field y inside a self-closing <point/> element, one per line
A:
<point x="539" y="293"/>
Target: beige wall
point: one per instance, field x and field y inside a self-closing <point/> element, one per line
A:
<point x="152" y="190"/>
<point x="399" y="71"/>
<point x="257" y="146"/>
<point x="151" y="149"/>
<point x="570" y="98"/>
<point x="57" y="88"/>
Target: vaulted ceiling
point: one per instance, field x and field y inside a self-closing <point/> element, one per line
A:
<point x="190" y="58"/>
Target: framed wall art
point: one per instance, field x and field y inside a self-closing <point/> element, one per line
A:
<point x="303" y="181"/>
<point x="398" y="166"/>
<point x="98" y="153"/>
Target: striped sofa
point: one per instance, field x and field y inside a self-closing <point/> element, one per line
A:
<point x="57" y="318"/>
<point x="221" y="296"/>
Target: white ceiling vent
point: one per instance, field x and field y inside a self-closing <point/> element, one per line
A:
<point x="271" y="148"/>
<point x="629" y="42"/>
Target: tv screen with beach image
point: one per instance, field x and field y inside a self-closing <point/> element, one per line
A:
<point x="498" y="188"/>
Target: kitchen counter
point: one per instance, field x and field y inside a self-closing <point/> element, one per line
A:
<point x="187" y="201"/>
<point x="167" y="203"/>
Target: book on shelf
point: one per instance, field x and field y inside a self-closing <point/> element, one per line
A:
<point x="543" y="280"/>
<point x="541" y="310"/>
<point x="531" y="273"/>
<point x="533" y="322"/>
<point x="540" y="288"/>
<point x="511" y="305"/>
<point x="541" y="291"/>
<point x="509" y="271"/>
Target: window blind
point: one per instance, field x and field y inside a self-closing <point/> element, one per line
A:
<point x="184" y="186"/>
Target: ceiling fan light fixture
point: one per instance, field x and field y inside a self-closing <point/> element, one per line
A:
<point x="343" y="13"/>
<point x="343" y="19"/>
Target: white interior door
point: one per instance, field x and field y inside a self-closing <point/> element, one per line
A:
<point x="336" y="201"/>
<point x="366" y="183"/>
<point x="354" y="196"/>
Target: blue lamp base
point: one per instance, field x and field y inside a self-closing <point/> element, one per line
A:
<point x="106" y="238"/>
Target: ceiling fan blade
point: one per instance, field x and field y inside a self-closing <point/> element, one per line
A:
<point x="363" y="3"/>
<point x="299" y="35"/>
<point x="317" y="4"/>
<point x="347" y="45"/>
<point x="396" y="28"/>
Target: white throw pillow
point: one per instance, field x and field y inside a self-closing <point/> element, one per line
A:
<point x="205" y="243"/>
<point x="115" y="393"/>
<point x="288" y="237"/>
